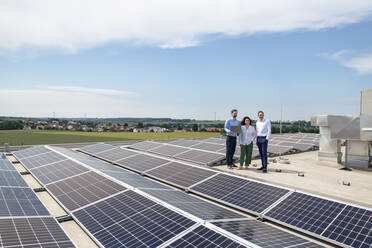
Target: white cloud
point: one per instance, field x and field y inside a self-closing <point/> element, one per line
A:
<point x="357" y="61"/>
<point x="362" y="64"/>
<point x="94" y="91"/>
<point x="73" y="25"/>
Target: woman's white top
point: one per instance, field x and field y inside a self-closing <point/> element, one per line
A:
<point x="247" y="135"/>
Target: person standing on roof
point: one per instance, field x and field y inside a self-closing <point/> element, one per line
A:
<point x="231" y="137"/>
<point x="246" y="138"/>
<point x="263" y="128"/>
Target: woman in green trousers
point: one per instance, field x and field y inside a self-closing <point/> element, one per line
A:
<point x="246" y="137"/>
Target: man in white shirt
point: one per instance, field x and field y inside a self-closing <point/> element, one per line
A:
<point x="263" y="129"/>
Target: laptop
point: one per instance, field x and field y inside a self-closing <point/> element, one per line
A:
<point x="236" y="129"/>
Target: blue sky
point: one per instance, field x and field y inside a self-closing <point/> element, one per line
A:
<point x="311" y="69"/>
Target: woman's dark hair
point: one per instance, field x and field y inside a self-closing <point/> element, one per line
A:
<point x="243" y="121"/>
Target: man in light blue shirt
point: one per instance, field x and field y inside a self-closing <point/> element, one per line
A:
<point x="231" y="137"/>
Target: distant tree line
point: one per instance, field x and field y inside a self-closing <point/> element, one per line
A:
<point x="11" y="125"/>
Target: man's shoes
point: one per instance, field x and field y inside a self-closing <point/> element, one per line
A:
<point x="229" y="166"/>
<point x="260" y="168"/>
<point x="264" y="171"/>
<point x="234" y="165"/>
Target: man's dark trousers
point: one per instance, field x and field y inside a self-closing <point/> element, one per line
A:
<point x="230" y="149"/>
<point x="262" y="148"/>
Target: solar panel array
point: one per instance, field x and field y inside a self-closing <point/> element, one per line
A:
<point x="266" y="200"/>
<point x="182" y="149"/>
<point x="130" y="227"/>
<point x="278" y="144"/>
<point x="112" y="214"/>
<point x="25" y="222"/>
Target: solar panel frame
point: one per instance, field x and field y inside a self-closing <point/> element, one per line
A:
<point x="263" y="235"/>
<point x="193" y="205"/>
<point x="352" y="227"/>
<point x="131" y="220"/>
<point x="169" y="150"/>
<point x="200" y="157"/>
<point x="115" y="154"/>
<point x="184" y="142"/>
<point x="135" y="180"/>
<point x="247" y="195"/>
<point x="208" y="147"/>
<point x="320" y="213"/>
<point x="180" y="175"/>
<point x="22" y="154"/>
<point x="42" y="160"/>
<point x="20" y="202"/>
<point x="83" y="189"/>
<point x="145" y="145"/>
<point x="142" y="162"/>
<point x="57" y="171"/>
<point x="203" y="236"/>
<point x="33" y="232"/>
<point x="96" y="148"/>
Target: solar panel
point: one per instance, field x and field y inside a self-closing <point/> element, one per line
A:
<point x="20" y="202"/>
<point x="115" y="154"/>
<point x="219" y="186"/>
<point x="239" y="192"/>
<point x="352" y="227"/>
<point x="12" y="178"/>
<point x="205" y="237"/>
<point x="145" y="145"/>
<point x="306" y="212"/>
<point x="83" y="189"/>
<point x="185" y="143"/>
<point x="263" y="235"/>
<point x="201" y="157"/>
<point x="32" y="232"/>
<point x="57" y="171"/>
<point x="90" y="161"/>
<point x="5" y="164"/>
<point x="30" y="152"/>
<point x="96" y="148"/>
<point x="135" y="180"/>
<point x="276" y="149"/>
<point x="209" y="147"/>
<point x="255" y="196"/>
<point x="141" y="162"/>
<point x="42" y="159"/>
<point x="169" y="150"/>
<point x="131" y="220"/>
<point x="180" y="174"/>
<point x="193" y="205"/>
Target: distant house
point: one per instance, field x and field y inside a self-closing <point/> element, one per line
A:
<point x="157" y="129"/>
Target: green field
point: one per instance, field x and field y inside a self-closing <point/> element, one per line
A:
<point x="17" y="138"/>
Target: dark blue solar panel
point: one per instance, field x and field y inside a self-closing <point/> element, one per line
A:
<point x="131" y="220"/>
<point x="241" y="192"/>
<point x="352" y="227"/>
<point x="205" y="237"/>
<point x="219" y="185"/>
<point x="264" y="235"/>
<point x="11" y="178"/>
<point x="255" y="196"/>
<point x="20" y="202"/>
<point x="306" y="212"/>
